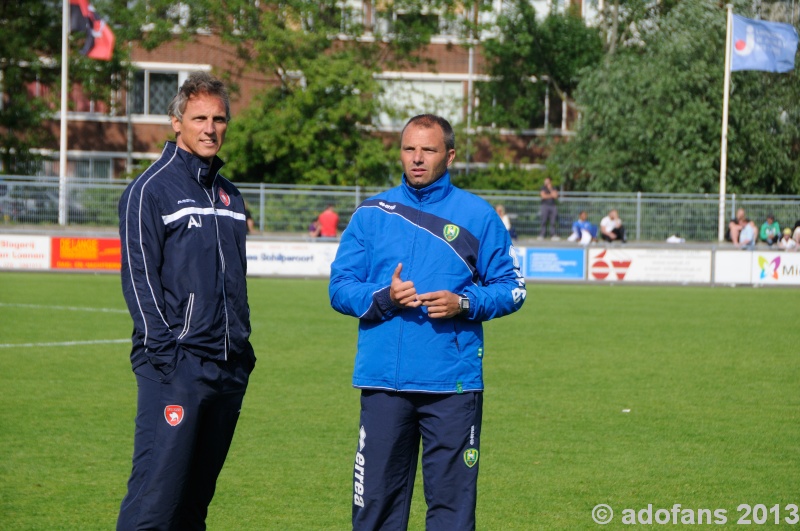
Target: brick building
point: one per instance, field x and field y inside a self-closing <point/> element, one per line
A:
<point x="108" y="142"/>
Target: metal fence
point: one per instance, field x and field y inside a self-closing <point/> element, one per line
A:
<point x="287" y="211"/>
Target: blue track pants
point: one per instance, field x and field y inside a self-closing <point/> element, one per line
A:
<point x="184" y="427"/>
<point x="392" y="425"/>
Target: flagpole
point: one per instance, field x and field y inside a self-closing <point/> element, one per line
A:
<point x="62" y="161"/>
<point x="723" y="156"/>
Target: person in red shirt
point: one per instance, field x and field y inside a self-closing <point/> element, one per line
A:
<point x="328" y="223"/>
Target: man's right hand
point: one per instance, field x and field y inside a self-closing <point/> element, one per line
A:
<point x="403" y="293"/>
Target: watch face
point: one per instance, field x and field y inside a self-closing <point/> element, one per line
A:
<point x="464" y="302"/>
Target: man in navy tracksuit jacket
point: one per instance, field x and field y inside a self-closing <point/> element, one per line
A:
<point x="182" y="230"/>
<point x="421" y="266"/>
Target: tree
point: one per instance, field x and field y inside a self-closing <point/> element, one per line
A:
<point x="554" y="51"/>
<point x="30" y="56"/>
<point x="314" y="122"/>
<point x="315" y="125"/>
<point x="651" y="116"/>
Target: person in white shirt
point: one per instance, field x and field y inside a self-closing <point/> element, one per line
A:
<point x="787" y="243"/>
<point x="611" y="228"/>
<point x="747" y="238"/>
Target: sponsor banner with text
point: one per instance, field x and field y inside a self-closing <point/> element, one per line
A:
<point x="24" y="252"/>
<point x="555" y="264"/>
<point x="771" y="268"/>
<point x="86" y="253"/>
<point x="290" y="259"/>
<point x="623" y="264"/>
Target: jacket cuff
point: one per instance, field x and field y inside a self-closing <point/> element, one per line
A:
<point x="381" y="307"/>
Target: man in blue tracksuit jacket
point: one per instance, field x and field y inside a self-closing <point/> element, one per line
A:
<point x="182" y="230"/>
<point x="422" y="266"/>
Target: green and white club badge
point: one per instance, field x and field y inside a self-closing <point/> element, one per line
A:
<point x="471" y="457"/>
<point x="450" y="232"/>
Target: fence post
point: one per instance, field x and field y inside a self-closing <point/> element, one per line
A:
<point x="261" y="207"/>
<point x="733" y="206"/>
<point x="638" y="215"/>
<point x="358" y="196"/>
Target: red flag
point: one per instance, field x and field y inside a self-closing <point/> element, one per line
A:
<point x="99" y="37"/>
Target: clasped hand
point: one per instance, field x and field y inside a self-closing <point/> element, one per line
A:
<point x="440" y="304"/>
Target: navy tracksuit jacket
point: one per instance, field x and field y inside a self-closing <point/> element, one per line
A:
<point x="182" y="230"/>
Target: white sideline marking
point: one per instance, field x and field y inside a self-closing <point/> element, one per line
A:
<point x="70" y="308"/>
<point x="64" y="343"/>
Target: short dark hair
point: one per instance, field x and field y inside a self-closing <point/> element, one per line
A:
<point x="198" y="83"/>
<point x="429" y="120"/>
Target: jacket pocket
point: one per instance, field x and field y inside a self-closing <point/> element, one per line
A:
<point x="455" y="335"/>
<point x="187" y="317"/>
<point x="163" y="372"/>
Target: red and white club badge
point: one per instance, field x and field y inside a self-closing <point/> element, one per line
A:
<point x="224" y="197"/>
<point x="173" y="415"/>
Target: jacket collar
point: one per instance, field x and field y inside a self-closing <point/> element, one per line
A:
<point x="436" y="191"/>
<point x="200" y="171"/>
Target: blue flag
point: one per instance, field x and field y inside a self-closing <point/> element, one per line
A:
<point x="759" y="45"/>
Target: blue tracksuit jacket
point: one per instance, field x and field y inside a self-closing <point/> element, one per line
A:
<point x="182" y="230"/>
<point x="446" y="239"/>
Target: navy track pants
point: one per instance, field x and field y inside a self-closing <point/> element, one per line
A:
<point x="392" y="424"/>
<point x="184" y="427"/>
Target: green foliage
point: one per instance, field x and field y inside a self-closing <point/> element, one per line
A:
<point x="554" y="51"/>
<point x="567" y="48"/>
<point x="652" y="114"/>
<point x="312" y="131"/>
<point x="710" y="423"/>
<point x="501" y="177"/>
<point x="510" y="98"/>
<point x="622" y="21"/>
<point x="314" y="125"/>
<point x="30" y="53"/>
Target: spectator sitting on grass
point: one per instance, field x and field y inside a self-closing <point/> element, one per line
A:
<point x="582" y="230"/>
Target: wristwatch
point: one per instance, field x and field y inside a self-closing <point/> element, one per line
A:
<point x="463" y="303"/>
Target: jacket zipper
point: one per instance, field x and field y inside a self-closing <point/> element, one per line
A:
<point x="222" y="262"/>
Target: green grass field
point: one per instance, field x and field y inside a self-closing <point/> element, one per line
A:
<point x="710" y="376"/>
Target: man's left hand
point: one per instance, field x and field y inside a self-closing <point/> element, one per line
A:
<point x="441" y="304"/>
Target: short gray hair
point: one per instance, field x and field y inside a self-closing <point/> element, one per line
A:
<point x="198" y="83"/>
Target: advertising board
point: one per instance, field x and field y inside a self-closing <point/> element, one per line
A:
<point x="555" y="264"/>
<point x="85" y="253"/>
<point x="24" y="252"/>
<point x="310" y="259"/>
<point x="649" y="265"/>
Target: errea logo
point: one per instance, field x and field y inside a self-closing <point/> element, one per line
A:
<point x="387" y="206"/>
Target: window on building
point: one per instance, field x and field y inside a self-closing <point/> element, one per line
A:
<point x="93" y="168"/>
<point x="408" y="97"/>
<point x="152" y="91"/>
<point x="82" y="168"/>
<point x="427" y="22"/>
<point x="353" y="14"/>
